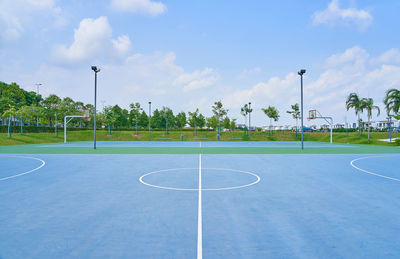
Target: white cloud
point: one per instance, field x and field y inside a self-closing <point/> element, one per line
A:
<point x="157" y="78"/>
<point x="92" y="40"/>
<point x="347" y="72"/>
<point x="353" y="56"/>
<point x="139" y="6"/>
<point x="16" y="16"/>
<point x="197" y="80"/>
<point x="334" y="15"/>
<point x="391" y="56"/>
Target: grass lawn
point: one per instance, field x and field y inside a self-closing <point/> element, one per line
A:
<point x="86" y="135"/>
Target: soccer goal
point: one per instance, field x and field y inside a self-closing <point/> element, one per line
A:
<point x="68" y="118"/>
<point x="314" y="114"/>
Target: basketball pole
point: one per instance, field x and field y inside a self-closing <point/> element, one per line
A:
<point x="301" y="73"/>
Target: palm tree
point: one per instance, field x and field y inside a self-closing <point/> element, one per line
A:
<point x="353" y="101"/>
<point x="392" y="100"/>
<point x="368" y="104"/>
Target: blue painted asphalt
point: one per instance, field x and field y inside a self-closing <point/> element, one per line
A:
<point x="309" y="206"/>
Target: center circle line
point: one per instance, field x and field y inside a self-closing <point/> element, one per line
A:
<point x="196" y="189"/>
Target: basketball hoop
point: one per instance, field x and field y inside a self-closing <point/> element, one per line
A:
<point x="86" y="115"/>
<point x="312" y="114"/>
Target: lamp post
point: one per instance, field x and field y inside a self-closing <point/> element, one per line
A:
<point x="37" y="92"/>
<point x="149" y="121"/>
<point x="56" y="129"/>
<point x="96" y="70"/>
<point x="37" y="88"/>
<point x="249" y="120"/>
<point x="301" y="73"/>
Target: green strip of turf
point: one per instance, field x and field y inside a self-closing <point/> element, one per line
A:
<point x="355" y="149"/>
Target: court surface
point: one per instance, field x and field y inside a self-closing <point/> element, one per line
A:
<point x="200" y="205"/>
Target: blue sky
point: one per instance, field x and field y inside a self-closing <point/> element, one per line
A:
<point x="188" y="54"/>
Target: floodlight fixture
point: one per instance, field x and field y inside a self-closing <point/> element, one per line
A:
<point x="301" y="72"/>
<point x="95" y="69"/>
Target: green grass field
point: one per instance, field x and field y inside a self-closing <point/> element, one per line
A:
<point x="87" y="135"/>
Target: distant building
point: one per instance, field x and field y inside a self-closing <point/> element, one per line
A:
<point x="338" y="126"/>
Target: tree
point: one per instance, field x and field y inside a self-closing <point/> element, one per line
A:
<point x="244" y="111"/>
<point x="180" y="120"/>
<point x="353" y="101"/>
<point x="120" y="115"/>
<point x="134" y="114"/>
<point x="14" y="93"/>
<point x="232" y="125"/>
<point x="227" y="122"/>
<point x="36" y="112"/>
<point x="10" y="114"/>
<point x="211" y="122"/>
<point x="22" y="114"/>
<point x="295" y="112"/>
<point x="143" y="120"/>
<point x="272" y="113"/>
<point x="201" y="120"/>
<point x="219" y="113"/>
<point x="368" y="104"/>
<point x="392" y="101"/>
<point x="168" y="118"/>
<point x="157" y="120"/>
<point x="196" y="119"/>
<point x="109" y="117"/>
<point x="90" y="108"/>
<point x="51" y="105"/>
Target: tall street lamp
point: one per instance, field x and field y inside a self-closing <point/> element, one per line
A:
<point x="149" y="121"/>
<point x="96" y="70"/>
<point x="249" y="120"/>
<point x="301" y="73"/>
<point x="37" y="91"/>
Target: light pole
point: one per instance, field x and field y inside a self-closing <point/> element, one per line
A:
<point x="56" y="129"/>
<point x="249" y="120"/>
<point x="149" y="121"/>
<point x="37" y="88"/>
<point x="301" y="73"/>
<point x="37" y="93"/>
<point x="96" y="70"/>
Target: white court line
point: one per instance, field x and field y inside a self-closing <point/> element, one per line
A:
<point x="141" y="179"/>
<point x="27" y="172"/>
<point x="200" y="144"/>
<point x="368" y="172"/>
<point x="199" y="219"/>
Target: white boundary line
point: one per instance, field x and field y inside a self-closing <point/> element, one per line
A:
<point x="368" y="172"/>
<point x="27" y="172"/>
<point x="199" y="219"/>
<point x="203" y="189"/>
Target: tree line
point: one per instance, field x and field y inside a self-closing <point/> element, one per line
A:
<point x="29" y="107"/>
<point x="391" y="101"/>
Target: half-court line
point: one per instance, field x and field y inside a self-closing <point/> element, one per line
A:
<point x="199" y="219"/>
